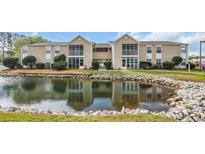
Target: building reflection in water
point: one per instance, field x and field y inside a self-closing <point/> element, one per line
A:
<point x="86" y="95"/>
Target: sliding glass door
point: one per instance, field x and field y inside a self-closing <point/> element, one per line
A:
<point x="130" y="62"/>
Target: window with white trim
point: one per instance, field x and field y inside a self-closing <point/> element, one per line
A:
<point x="57" y="50"/>
<point x="75" y="62"/>
<point x="75" y="50"/>
<point x="149" y="50"/>
<point x="159" y="50"/>
<point x="48" y="49"/>
<point x="159" y="62"/>
<point x="129" y="49"/>
<point x="149" y="60"/>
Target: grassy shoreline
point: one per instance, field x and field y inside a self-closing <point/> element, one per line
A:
<point x="30" y="117"/>
<point x="195" y="75"/>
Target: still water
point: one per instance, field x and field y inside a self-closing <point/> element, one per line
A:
<point x="81" y="95"/>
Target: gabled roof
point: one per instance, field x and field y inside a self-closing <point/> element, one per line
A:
<point x="79" y="36"/>
<point x="125" y="36"/>
<point x="48" y="43"/>
<point x="102" y="45"/>
<point x="161" y="43"/>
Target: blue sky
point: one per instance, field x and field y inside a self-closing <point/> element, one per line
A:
<point x="192" y="38"/>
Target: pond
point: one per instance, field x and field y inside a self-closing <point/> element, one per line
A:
<point x="71" y="95"/>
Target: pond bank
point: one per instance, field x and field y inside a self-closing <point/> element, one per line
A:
<point x="188" y="104"/>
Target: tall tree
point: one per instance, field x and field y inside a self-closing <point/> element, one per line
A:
<point x="19" y="42"/>
<point x="6" y="41"/>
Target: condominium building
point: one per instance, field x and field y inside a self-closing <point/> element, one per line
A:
<point x="125" y="53"/>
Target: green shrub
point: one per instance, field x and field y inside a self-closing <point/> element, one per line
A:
<point x="18" y="65"/>
<point x="192" y="66"/>
<point x="168" y="65"/>
<point x="40" y="65"/>
<point x="10" y="62"/>
<point x="177" y="60"/>
<point x="145" y="65"/>
<point x="95" y="65"/>
<point x="29" y="61"/>
<point x="59" y="58"/>
<point x="59" y="65"/>
<point x="108" y="65"/>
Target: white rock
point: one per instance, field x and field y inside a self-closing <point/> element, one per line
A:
<point x="144" y="111"/>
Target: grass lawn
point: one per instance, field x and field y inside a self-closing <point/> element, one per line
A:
<point x="195" y="75"/>
<point x="29" y="117"/>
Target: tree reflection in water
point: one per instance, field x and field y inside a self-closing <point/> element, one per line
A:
<point x="86" y="95"/>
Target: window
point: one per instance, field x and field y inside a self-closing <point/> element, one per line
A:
<point x="159" y="62"/>
<point x="129" y="49"/>
<point x="149" y="60"/>
<point x="76" y="50"/>
<point x="159" y="50"/>
<point x="130" y="62"/>
<point x="48" y="51"/>
<point x="57" y="50"/>
<point x="149" y="50"/>
<point x="101" y="50"/>
<point x="75" y="62"/>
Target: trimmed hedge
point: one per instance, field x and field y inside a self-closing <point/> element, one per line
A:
<point x="40" y="65"/>
<point x="168" y="65"/>
<point x="145" y="65"/>
<point x="29" y="61"/>
<point x="108" y="65"/>
<point x="59" y="65"/>
<point x="95" y="65"/>
<point x="59" y="58"/>
<point x="10" y="62"/>
<point x="177" y="60"/>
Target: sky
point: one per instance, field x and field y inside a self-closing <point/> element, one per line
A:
<point x="192" y="38"/>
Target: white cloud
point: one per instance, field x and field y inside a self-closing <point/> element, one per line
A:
<point x="34" y="34"/>
<point x="192" y="38"/>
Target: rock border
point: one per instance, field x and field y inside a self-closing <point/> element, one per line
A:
<point x="187" y="105"/>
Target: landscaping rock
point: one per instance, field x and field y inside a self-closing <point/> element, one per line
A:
<point x="187" y="103"/>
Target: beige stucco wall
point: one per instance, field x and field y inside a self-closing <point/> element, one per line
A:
<point x="168" y="52"/>
<point x="87" y="51"/>
<point x="118" y="50"/>
<point x="102" y="55"/>
<point x="38" y="52"/>
<point x="142" y="53"/>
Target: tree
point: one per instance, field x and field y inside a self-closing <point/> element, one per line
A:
<point x="10" y="62"/>
<point x="7" y="40"/>
<point x="59" y="58"/>
<point x="29" y="61"/>
<point x="60" y="65"/>
<point x="177" y="60"/>
<point x="19" y="42"/>
<point x="59" y="62"/>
